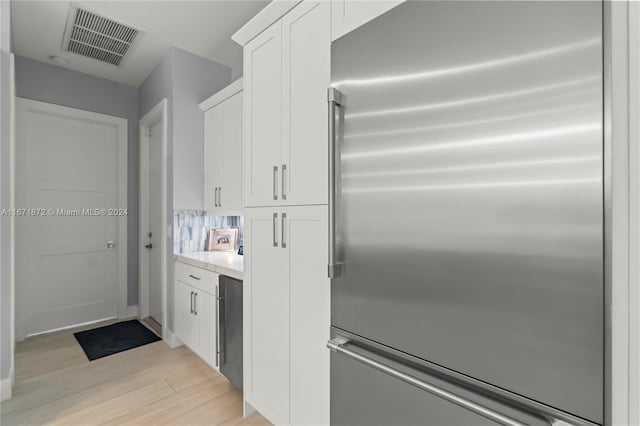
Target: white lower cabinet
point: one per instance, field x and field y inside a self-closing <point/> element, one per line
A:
<point x="287" y="314"/>
<point x="196" y="310"/>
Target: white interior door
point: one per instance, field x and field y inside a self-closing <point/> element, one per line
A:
<point x="155" y="222"/>
<point x="67" y="178"/>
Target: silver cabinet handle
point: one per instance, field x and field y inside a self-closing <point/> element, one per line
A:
<point x="275" y="182"/>
<point x="284" y="242"/>
<point x="275" y="240"/>
<point x="194" y="277"/>
<point x="219" y="196"/>
<point x="195" y="303"/>
<point x="220" y="353"/>
<point x="334" y="99"/>
<point x="284" y="192"/>
<point x="191" y="301"/>
<point x="215" y="197"/>
<point x="338" y="347"/>
<point x="218" y="327"/>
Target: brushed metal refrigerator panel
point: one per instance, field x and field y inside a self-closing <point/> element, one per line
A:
<point x="472" y="192"/>
<point x="363" y="396"/>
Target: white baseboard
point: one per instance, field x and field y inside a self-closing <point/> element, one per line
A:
<point x="132" y="312"/>
<point x="248" y="409"/>
<point x="5" y="389"/>
<point x="170" y="339"/>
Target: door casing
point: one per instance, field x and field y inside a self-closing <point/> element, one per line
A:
<point x="157" y="114"/>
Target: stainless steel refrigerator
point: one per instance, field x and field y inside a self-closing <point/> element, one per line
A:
<point x="466" y="215"/>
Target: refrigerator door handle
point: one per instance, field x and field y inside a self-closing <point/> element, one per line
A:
<point x="334" y="100"/>
<point x="337" y="345"/>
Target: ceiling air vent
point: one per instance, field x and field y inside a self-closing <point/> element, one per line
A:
<point x="97" y="37"/>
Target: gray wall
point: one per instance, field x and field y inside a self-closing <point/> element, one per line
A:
<point x="194" y="80"/>
<point x="236" y="71"/>
<point x="49" y="83"/>
<point x="5" y="242"/>
<point x="184" y="80"/>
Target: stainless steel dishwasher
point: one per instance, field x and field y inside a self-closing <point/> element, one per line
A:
<point x="230" y="326"/>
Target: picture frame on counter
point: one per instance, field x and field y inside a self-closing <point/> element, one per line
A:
<point x="223" y="239"/>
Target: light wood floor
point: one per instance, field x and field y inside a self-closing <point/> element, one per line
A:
<point x="149" y="385"/>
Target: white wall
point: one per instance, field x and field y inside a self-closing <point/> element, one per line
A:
<point x="6" y="296"/>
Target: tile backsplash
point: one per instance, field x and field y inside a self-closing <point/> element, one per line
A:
<point x="191" y="229"/>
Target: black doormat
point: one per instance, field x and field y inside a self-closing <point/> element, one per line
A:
<point x="114" y="338"/>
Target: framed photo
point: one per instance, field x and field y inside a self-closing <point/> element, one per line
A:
<point x="223" y="239"/>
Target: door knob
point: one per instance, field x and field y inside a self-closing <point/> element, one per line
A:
<point x="149" y="246"/>
<point x="110" y="245"/>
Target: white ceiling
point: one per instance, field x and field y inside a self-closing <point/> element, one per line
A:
<point x="200" y="27"/>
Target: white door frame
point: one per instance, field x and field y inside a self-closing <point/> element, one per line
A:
<point x="156" y="115"/>
<point x="22" y="105"/>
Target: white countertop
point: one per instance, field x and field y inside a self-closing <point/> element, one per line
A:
<point x="223" y="263"/>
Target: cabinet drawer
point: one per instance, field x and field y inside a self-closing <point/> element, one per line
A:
<point x="199" y="278"/>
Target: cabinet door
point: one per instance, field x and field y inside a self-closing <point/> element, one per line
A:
<point x="230" y="196"/>
<point x="206" y="317"/>
<point x="263" y="117"/>
<point x="213" y="138"/>
<point x="266" y="315"/>
<point x="185" y="325"/>
<point x="347" y="15"/>
<point x="310" y="313"/>
<point x="306" y="77"/>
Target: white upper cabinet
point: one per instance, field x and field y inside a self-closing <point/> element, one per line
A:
<point x="263" y="118"/>
<point x="287" y="73"/>
<point x="347" y="15"/>
<point x="306" y="74"/>
<point x="223" y="151"/>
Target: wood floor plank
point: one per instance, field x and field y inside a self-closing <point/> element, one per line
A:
<point x="175" y="405"/>
<point x="152" y="384"/>
<point x="213" y="412"/>
<point x="107" y="410"/>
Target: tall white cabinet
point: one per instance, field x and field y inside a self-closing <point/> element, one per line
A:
<point x="285" y="151"/>
<point x="347" y="15"/>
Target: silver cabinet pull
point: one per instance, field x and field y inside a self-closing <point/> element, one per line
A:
<point x="275" y="182"/>
<point x="284" y="192"/>
<point x="191" y="301"/>
<point x="220" y="356"/>
<point x="215" y="197"/>
<point x="334" y="100"/>
<point x="219" y="196"/>
<point x="275" y="240"/>
<point x="218" y="327"/>
<point x="195" y="303"/>
<point x="337" y="346"/>
<point x="194" y="277"/>
<point x="284" y="242"/>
